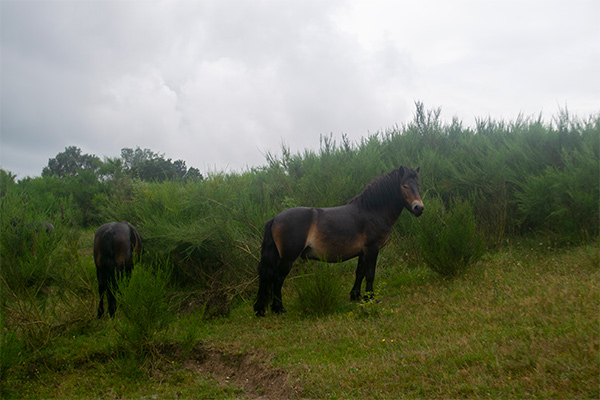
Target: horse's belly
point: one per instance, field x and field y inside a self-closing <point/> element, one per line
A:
<point x="330" y="249"/>
<point x="310" y="253"/>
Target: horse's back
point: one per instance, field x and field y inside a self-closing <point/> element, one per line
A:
<point x="328" y="234"/>
<point x="297" y="216"/>
<point x="43" y="226"/>
<point x="113" y="239"/>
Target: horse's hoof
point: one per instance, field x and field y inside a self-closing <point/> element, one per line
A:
<point x="371" y="299"/>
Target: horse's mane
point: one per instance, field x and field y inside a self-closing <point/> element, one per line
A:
<point x="383" y="190"/>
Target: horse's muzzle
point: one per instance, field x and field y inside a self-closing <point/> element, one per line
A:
<point x="417" y="208"/>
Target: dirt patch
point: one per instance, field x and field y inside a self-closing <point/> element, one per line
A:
<point x="252" y="372"/>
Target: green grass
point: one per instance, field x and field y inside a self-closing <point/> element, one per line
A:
<point x="523" y="322"/>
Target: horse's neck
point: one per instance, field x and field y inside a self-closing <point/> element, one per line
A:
<point x="394" y="213"/>
<point x="385" y="215"/>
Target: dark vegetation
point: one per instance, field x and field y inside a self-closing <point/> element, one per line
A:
<point x="525" y="192"/>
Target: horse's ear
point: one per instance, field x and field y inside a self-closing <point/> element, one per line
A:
<point x="401" y="171"/>
<point x="418" y="169"/>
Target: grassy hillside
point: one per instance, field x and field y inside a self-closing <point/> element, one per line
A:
<point x="509" y="311"/>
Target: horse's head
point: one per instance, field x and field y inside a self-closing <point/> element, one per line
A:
<point x="409" y="181"/>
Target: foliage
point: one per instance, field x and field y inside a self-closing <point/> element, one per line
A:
<point x="369" y="306"/>
<point x="150" y="166"/>
<point x="11" y="348"/>
<point x="448" y="237"/>
<point x="502" y="164"/>
<point x="28" y="251"/>
<point x="7" y="180"/>
<point x="71" y="163"/>
<point x="68" y="200"/>
<point x="563" y="200"/>
<point x="80" y="184"/>
<point x="319" y="291"/>
<point x="45" y="287"/>
<point x="143" y="305"/>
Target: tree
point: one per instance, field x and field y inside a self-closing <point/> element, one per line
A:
<point x="150" y="166"/>
<point x="71" y="163"/>
<point x="73" y="177"/>
<point x="193" y="174"/>
<point x="111" y="169"/>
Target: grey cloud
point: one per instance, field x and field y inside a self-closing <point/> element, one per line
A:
<point x="218" y="83"/>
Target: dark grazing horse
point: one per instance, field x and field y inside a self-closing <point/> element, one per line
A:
<point x="115" y="246"/>
<point x="41" y="226"/>
<point x="36" y="231"/>
<point x="358" y="229"/>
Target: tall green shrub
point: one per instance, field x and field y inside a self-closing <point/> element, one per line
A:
<point x="449" y="238"/>
<point x="563" y="200"/>
<point x="520" y="176"/>
<point x="11" y="348"/>
<point x="143" y="305"/>
<point x="45" y="289"/>
<point x="319" y="291"/>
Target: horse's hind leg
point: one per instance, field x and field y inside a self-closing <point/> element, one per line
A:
<point x="110" y="295"/>
<point x="112" y="302"/>
<point x="280" y="275"/>
<point x="369" y="266"/>
<point x="265" y="288"/>
<point x="101" y="290"/>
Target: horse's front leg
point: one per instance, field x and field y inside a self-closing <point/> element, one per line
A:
<point x="370" y="262"/>
<point x="360" y="274"/>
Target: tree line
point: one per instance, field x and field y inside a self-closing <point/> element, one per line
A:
<point x="74" y="184"/>
<point x="143" y="164"/>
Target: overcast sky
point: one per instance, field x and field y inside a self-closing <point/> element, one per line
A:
<point x="219" y="83"/>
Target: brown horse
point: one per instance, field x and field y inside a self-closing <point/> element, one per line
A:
<point x="358" y="229"/>
<point x="115" y="245"/>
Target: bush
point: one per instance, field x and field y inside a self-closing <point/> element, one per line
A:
<point x="143" y="305"/>
<point x="11" y="348"/>
<point x="319" y="291"/>
<point x="449" y="238"/>
<point x="563" y="201"/>
<point x="44" y="286"/>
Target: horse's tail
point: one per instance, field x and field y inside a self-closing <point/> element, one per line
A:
<point x="136" y="242"/>
<point x="269" y="260"/>
<point x="107" y="253"/>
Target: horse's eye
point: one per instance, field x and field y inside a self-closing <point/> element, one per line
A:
<point x="405" y="186"/>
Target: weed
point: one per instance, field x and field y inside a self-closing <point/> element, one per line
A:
<point x="11" y="348"/>
<point x="370" y="305"/>
<point x="449" y="238"/>
<point x="143" y="305"/>
<point x="319" y="291"/>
